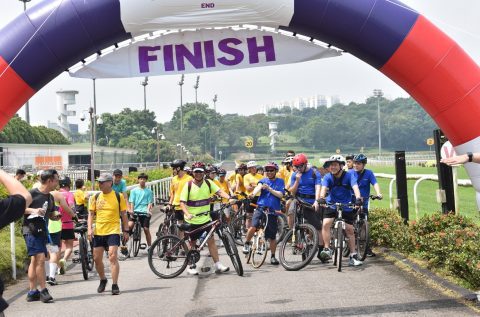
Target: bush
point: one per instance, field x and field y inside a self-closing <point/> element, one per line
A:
<point x="387" y="229"/>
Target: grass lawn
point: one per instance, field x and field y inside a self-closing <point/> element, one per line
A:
<point x="5" y="254"/>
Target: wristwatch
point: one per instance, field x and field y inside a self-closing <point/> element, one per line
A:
<point x="470" y="156"/>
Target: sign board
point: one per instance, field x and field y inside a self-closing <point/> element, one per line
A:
<point x="249" y="143"/>
<point x="48" y="162"/>
<point x="447" y="150"/>
<point x="430" y="141"/>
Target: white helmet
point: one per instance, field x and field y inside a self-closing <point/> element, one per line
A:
<point x="251" y="164"/>
<point x="336" y="158"/>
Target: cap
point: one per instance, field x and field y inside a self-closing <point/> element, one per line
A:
<point x="117" y="172"/>
<point x="105" y="177"/>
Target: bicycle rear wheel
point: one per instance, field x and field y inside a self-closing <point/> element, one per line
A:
<point x="362" y="239"/>
<point x="296" y="252"/>
<point x="83" y="255"/>
<point x="282" y="227"/>
<point x="165" y="257"/>
<point x="137" y="238"/>
<point x="259" y="250"/>
<point x="232" y="252"/>
<point x="238" y="230"/>
<point x="89" y="255"/>
<point x="339" y="243"/>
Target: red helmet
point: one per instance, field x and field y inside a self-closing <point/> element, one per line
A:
<point x="198" y="166"/>
<point x="271" y="165"/>
<point x="300" y="159"/>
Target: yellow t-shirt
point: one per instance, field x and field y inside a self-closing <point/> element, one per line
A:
<point x="107" y="213"/>
<point x="79" y="196"/>
<point x="224" y="187"/>
<point x="177" y="186"/>
<point x="251" y="179"/>
<point x="239" y="181"/>
<point x="286" y="175"/>
<point x="231" y="179"/>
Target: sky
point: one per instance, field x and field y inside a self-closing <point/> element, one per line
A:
<point x="244" y="91"/>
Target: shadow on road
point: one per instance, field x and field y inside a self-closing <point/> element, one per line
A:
<point x="128" y="291"/>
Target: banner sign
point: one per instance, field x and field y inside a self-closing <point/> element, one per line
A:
<point x="48" y="162"/>
<point x="203" y="51"/>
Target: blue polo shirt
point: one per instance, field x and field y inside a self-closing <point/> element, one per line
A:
<point x="120" y="187"/>
<point x="266" y="198"/>
<point x="141" y="198"/>
<point x="307" y="184"/>
<point x="364" y="180"/>
<point x="340" y="189"/>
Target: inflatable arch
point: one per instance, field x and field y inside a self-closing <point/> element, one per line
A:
<point x="398" y="41"/>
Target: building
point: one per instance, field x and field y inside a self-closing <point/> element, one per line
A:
<point x="301" y="103"/>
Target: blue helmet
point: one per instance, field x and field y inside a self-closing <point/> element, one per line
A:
<point x="362" y="158"/>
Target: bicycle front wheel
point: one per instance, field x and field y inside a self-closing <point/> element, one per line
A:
<point x="362" y="239"/>
<point x="282" y="227"/>
<point x="259" y="250"/>
<point x="137" y="238"/>
<point x="298" y="247"/>
<point x="89" y="255"/>
<point x="238" y="230"/>
<point x="83" y="254"/>
<point x="167" y="256"/>
<point x="339" y="243"/>
<point x="232" y="252"/>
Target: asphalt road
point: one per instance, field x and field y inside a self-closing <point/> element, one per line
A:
<point x="378" y="288"/>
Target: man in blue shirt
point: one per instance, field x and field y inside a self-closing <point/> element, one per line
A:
<point x="141" y="204"/>
<point x="365" y="178"/>
<point x="119" y="184"/>
<point x="272" y="190"/>
<point x="306" y="184"/>
<point x="339" y="185"/>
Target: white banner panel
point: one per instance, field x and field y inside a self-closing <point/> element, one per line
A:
<point x="203" y="51"/>
<point x="143" y="16"/>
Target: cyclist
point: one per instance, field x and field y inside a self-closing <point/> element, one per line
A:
<point x="272" y="190"/>
<point x="349" y="162"/>
<point x="250" y="181"/>
<point x="108" y="208"/>
<point x="20" y="174"/>
<point x="119" y="184"/>
<point x="141" y="203"/>
<point x="339" y="185"/>
<point x="195" y="201"/>
<point x="240" y="187"/>
<point x="188" y="170"/>
<point x="81" y="201"/>
<point x="225" y="186"/>
<point x="365" y="178"/>
<point x="178" y="182"/>
<point x="306" y="185"/>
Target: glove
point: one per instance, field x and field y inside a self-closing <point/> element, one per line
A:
<point x="359" y="202"/>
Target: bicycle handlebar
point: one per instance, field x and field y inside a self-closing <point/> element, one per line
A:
<point x="374" y="197"/>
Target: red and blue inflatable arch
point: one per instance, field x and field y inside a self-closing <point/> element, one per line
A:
<point x="398" y="41"/>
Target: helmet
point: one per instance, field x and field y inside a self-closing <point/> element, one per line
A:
<point x="178" y="163"/>
<point x="210" y="169"/>
<point x="117" y="172"/>
<point x="251" y="164"/>
<point x="350" y="156"/>
<point x="299" y="159"/>
<point x="198" y="166"/>
<point x="242" y="166"/>
<point x="65" y="181"/>
<point x="362" y="158"/>
<point x="336" y="158"/>
<point x="222" y="172"/>
<point x="271" y="165"/>
<point x="187" y="169"/>
<point x="287" y="160"/>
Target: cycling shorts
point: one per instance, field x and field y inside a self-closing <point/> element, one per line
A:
<point x="272" y="227"/>
<point x="349" y="217"/>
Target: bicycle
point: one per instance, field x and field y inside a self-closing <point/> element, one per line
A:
<point x="362" y="232"/>
<point x="169" y="224"/>
<point x="300" y="241"/>
<point x="337" y="239"/>
<point x="166" y="251"/>
<point x="135" y="241"/>
<point x="259" y="248"/>
<point x="85" y="249"/>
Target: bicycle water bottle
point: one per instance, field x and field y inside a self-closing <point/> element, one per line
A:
<point x="202" y="237"/>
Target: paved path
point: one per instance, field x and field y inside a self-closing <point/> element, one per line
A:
<point x="378" y="288"/>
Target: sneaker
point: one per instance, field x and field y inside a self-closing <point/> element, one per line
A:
<point x="45" y="296"/>
<point x="115" y="289"/>
<point x="246" y="247"/>
<point x="101" y="287"/>
<point x="325" y="255"/>
<point x="354" y="261"/>
<point x="124" y="250"/>
<point x="63" y="265"/>
<point x="220" y="268"/>
<point x="52" y="281"/>
<point x="33" y="296"/>
<point x="370" y="252"/>
<point x="274" y="261"/>
<point x="192" y="271"/>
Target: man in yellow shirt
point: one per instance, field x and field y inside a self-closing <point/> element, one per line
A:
<point x="250" y="181"/>
<point x="81" y="201"/>
<point x="178" y="182"/>
<point x="107" y="207"/>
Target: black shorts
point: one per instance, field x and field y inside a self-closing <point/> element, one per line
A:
<point x="197" y="235"/>
<point x="349" y="217"/>
<point x="312" y="217"/>
<point x="144" y="220"/>
<point x="250" y="208"/>
<point x="56" y="238"/>
<point x="106" y="241"/>
<point x="179" y="215"/>
<point x="68" y="234"/>
<point x="272" y="225"/>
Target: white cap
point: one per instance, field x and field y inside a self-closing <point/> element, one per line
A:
<point x="251" y="164"/>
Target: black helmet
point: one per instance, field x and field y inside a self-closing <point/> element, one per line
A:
<point x="65" y="181"/>
<point x="222" y="172"/>
<point x="117" y="172"/>
<point x="178" y="164"/>
<point x="350" y="156"/>
<point x="362" y="158"/>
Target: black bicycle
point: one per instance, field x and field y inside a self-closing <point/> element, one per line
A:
<point x="300" y="243"/>
<point x="169" y="224"/>
<point x="85" y="249"/>
<point x="169" y="255"/>
<point x="134" y="243"/>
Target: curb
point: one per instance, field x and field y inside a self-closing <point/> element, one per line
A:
<point x="460" y="291"/>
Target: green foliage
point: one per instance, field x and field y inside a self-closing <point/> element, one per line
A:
<point x="19" y="131"/>
<point x="446" y="242"/>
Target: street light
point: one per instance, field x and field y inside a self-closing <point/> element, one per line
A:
<point x="196" y="88"/>
<point x="378" y="93"/>
<point x="160" y="136"/>
<point x="180" y="83"/>
<point x="27" y="104"/>
<point x="215" y="103"/>
<point x="144" y="84"/>
<point x="93" y="119"/>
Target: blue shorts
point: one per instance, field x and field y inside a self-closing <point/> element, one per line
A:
<point x="272" y="227"/>
<point x="35" y="245"/>
<point x="56" y="238"/>
<point x="106" y="241"/>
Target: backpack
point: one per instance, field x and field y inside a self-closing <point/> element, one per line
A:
<point x="189" y="184"/>
<point x="339" y="181"/>
<point x="116" y="195"/>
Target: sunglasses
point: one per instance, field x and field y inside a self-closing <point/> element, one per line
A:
<point x="198" y="172"/>
<point x="299" y="166"/>
<point x="269" y="171"/>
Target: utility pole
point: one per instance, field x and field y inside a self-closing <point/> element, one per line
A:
<point x="215" y="103"/>
<point x="144" y="84"/>
<point x="180" y="83"/>
<point x="27" y="104"/>
<point x="379" y="93"/>
<point x="196" y="88"/>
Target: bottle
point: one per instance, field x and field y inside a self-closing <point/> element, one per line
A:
<point x="202" y="237"/>
<point x="44" y="207"/>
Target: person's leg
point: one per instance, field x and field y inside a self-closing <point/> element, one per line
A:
<point x="54" y="257"/>
<point x="40" y="270"/>
<point x="114" y="265"/>
<point x="327" y="224"/>
<point x="98" y="259"/>
<point x="32" y="273"/>
<point x="351" y="238"/>
<point x="212" y="248"/>
<point x="68" y="249"/>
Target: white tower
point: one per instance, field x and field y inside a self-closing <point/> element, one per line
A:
<point x="65" y="98"/>
<point x="273" y="126"/>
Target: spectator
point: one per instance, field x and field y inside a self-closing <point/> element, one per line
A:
<point x="20" y="174"/>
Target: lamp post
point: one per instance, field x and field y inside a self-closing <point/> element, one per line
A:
<point x="95" y="111"/>
<point x="215" y="103"/>
<point x="93" y="119"/>
<point x="378" y="93"/>
<point x="27" y="104"/>
<point x="180" y="83"/>
<point x="144" y="84"/>
<point x="160" y="136"/>
<point x="196" y="88"/>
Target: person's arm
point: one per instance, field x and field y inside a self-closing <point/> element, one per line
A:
<point x="14" y="187"/>
<point x="461" y="159"/>
<point x="123" y="216"/>
<point x="294" y="187"/>
<point x="377" y="190"/>
<point x="91" y="214"/>
<point x="60" y="199"/>
<point x="130" y="206"/>
<point x="256" y="190"/>
<point x="150" y="204"/>
<point x="275" y="193"/>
